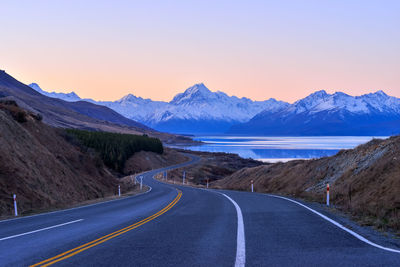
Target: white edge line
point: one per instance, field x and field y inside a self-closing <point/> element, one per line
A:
<point x="102" y="202"/>
<point x="76" y="208"/>
<point x="39" y="230"/>
<point x="241" y="243"/>
<point x="359" y="237"/>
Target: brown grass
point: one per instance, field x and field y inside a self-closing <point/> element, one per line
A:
<point x="44" y="170"/>
<point x="365" y="181"/>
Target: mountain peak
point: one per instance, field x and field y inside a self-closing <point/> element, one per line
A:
<point x="380" y="92"/>
<point x="36" y="87"/>
<point x="320" y="93"/>
<point x="71" y="97"/>
<point x="129" y="98"/>
<point x="197" y="92"/>
<point x="198" y="87"/>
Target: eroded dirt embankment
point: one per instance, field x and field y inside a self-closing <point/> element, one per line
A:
<point x="42" y="168"/>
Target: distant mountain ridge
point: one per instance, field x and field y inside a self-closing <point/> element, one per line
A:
<point x="70" y="97"/>
<point x="196" y="110"/>
<point x="329" y="114"/>
<point x="200" y="111"/>
<point x="60" y="113"/>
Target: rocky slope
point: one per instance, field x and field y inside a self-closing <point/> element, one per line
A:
<point x="364" y="181"/>
<point x="42" y="168"/>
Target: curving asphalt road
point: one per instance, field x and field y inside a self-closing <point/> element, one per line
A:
<point x="181" y="226"/>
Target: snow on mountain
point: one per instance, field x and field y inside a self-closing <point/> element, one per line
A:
<point x="199" y="103"/>
<point x="135" y="108"/>
<point x="70" y="97"/>
<point x="195" y="110"/>
<point x="364" y="104"/>
<point x="328" y="114"/>
<point x="198" y="110"/>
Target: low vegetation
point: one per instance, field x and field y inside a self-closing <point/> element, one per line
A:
<point x="212" y="166"/>
<point x="115" y="148"/>
<point x="44" y="170"/>
<point x="364" y="181"/>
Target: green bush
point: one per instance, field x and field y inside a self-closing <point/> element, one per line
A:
<point x="115" y="148"/>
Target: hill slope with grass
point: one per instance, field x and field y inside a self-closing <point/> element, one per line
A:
<point x="364" y="181"/>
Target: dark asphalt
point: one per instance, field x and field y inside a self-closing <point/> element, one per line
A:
<point x="200" y="230"/>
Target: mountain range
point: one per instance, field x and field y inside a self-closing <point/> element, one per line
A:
<point x="200" y="111"/>
<point x="320" y="113"/>
<point x="197" y="110"/>
<point x="57" y="112"/>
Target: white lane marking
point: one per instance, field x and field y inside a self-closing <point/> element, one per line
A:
<point x="363" y="239"/>
<point x="76" y="208"/>
<point x="241" y="244"/>
<point x="39" y="230"/>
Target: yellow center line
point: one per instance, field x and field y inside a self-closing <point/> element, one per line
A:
<point x="105" y="238"/>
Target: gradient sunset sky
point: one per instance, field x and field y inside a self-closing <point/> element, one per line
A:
<point x="155" y="49"/>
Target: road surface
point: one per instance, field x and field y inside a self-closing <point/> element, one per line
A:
<point x="174" y="225"/>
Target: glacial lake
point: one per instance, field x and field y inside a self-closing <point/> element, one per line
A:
<point x="275" y="149"/>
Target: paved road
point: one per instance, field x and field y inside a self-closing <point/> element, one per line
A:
<point x="182" y="226"/>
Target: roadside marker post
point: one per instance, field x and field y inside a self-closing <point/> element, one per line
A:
<point x="207" y="183"/>
<point x="15" y="205"/>
<point x="119" y="190"/>
<point x="327" y="194"/>
<point x="135" y="180"/>
<point x="183" y="177"/>
<point x="141" y="183"/>
<point x="252" y="186"/>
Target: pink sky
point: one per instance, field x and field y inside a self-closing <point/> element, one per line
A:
<point x="257" y="49"/>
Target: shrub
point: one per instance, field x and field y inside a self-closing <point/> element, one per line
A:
<point x="20" y="116"/>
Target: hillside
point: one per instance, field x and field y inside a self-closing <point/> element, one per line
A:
<point x="81" y="115"/>
<point x="145" y="161"/>
<point x="60" y="113"/>
<point x="364" y="181"/>
<point x="212" y="166"/>
<point x="42" y="168"/>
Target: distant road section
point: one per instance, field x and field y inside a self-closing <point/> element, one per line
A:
<point x="175" y="225"/>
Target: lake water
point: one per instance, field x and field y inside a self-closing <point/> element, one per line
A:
<point x="275" y="149"/>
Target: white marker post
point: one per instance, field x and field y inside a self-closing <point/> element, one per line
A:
<point x="141" y="183"/>
<point x="134" y="178"/>
<point x="327" y="194"/>
<point x="119" y="190"/>
<point x="207" y="183"/>
<point x="15" y="204"/>
<point x="252" y="186"/>
<point x="183" y="177"/>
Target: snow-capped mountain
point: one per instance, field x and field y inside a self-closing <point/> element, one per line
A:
<point x="199" y="111"/>
<point x="329" y="114"/>
<point x="196" y="110"/>
<point x="134" y="107"/>
<point x="70" y="97"/>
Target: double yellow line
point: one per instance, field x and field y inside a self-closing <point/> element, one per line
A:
<point x="72" y="252"/>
